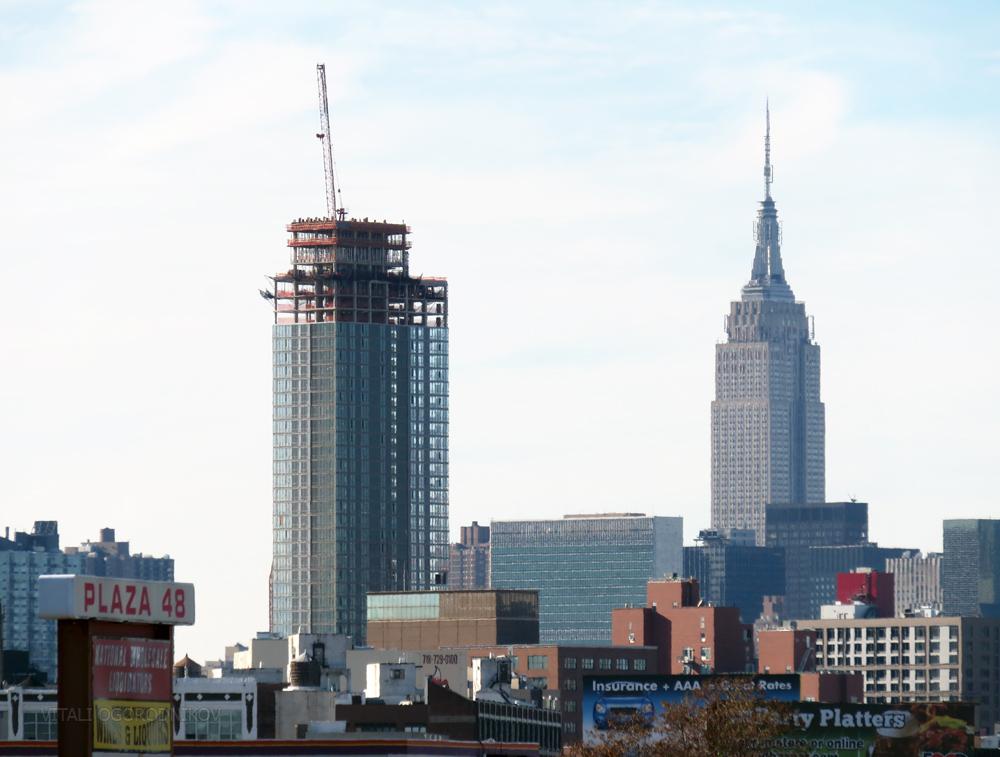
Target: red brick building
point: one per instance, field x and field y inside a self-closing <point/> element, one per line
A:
<point x="562" y="668"/>
<point x="691" y="638"/>
<point x="785" y="650"/>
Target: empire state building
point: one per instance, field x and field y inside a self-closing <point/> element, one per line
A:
<point x="768" y="427"/>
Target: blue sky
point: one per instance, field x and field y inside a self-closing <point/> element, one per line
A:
<point x="585" y="174"/>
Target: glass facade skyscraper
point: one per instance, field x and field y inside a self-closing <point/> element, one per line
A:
<point x="969" y="568"/>
<point x="735" y="575"/>
<point x="584" y="567"/>
<point x="797" y="527"/>
<point x="360" y="425"/>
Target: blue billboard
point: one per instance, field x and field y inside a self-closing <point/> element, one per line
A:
<point x="607" y="698"/>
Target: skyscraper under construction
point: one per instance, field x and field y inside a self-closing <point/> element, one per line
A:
<point x="768" y="433"/>
<point x="360" y="420"/>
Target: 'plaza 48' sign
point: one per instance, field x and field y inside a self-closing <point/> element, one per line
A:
<point x="119" y="599"/>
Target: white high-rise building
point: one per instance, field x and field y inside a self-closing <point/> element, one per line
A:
<point x="768" y="426"/>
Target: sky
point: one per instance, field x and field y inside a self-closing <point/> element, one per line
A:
<point x="585" y="174"/>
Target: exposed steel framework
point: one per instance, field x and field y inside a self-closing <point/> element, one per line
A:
<point x="357" y="272"/>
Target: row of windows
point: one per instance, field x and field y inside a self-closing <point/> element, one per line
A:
<point x="603" y="663"/>
<point x="897" y="632"/>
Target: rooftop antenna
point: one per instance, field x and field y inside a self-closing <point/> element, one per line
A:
<point x="768" y="176"/>
<point x="324" y="125"/>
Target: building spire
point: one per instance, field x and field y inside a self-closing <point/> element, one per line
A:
<point x="767" y="279"/>
<point x="767" y="152"/>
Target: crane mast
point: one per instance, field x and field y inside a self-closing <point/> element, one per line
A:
<point x="324" y="125"/>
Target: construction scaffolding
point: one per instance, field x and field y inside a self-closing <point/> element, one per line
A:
<point x="357" y="272"/>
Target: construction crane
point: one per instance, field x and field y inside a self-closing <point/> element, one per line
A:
<point x="324" y="124"/>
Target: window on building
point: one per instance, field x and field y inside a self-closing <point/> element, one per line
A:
<point x="219" y="725"/>
<point x="569" y="727"/>
<point x="569" y="663"/>
<point x="538" y="683"/>
<point x="40" y="726"/>
<point x="706" y="653"/>
<point x="397" y="674"/>
<point x="638" y="664"/>
<point x="621" y="664"/>
<point x="588" y="663"/>
<point x="604" y="663"/>
<point x="569" y="705"/>
<point x="569" y="684"/>
<point x="537" y="662"/>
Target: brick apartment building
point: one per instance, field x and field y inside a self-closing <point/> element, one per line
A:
<point x="469" y="559"/>
<point x="562" y="668"/>
<point x="690" y="637"/>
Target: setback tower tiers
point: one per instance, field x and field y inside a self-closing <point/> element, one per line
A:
<point x="768" y="432"/>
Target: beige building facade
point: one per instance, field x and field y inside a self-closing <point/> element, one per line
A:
<point x="938" y="659"/>
<point x="917" y="581"/>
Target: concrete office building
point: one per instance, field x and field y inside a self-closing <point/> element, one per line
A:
<point x="918" y="582"/>
<point x="941" y="659"/>
<point x="797" y="527"/>
<point x="969" y="568"/>
<point x="584" y="566"/>
<point x="469" y="559"/>
<point x="768" y="431"/>
<point x="360" y="424"/>
<point x="734" y="574"/>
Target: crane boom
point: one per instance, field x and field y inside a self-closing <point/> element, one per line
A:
<point x="324" y="125"/>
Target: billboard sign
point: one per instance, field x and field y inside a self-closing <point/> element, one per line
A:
<point x="606" y="698"/>
<point x="132" y="695"/>
<point x="119" y="599"/>
<point x="923" y="729"/>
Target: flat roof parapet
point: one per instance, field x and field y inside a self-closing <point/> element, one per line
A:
<point x="606" y="515"/>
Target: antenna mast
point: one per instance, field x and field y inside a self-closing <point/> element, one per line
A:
<point x="767" y="152"/>
<point x="324" y="125"/>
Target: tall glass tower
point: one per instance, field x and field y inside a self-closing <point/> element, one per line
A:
<point x="360" y="425"/>
<point x="768" y="426"/>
